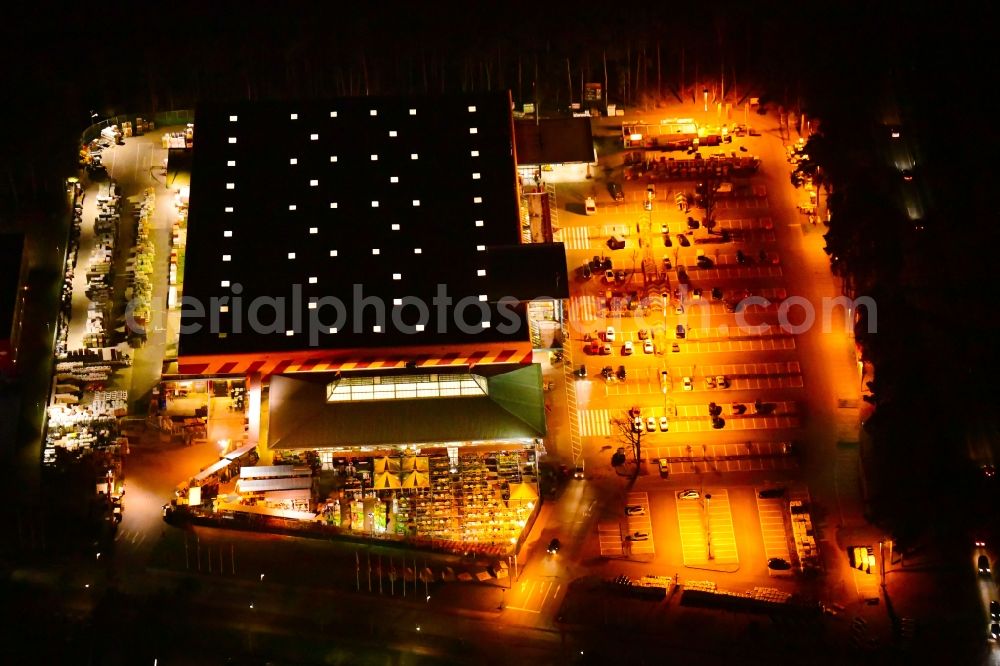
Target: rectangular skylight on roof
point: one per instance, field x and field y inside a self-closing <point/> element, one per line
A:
<point x="231" y="163"/>
<point x="224" y="284"/>
<point x="479" y="223"/>
<point x="314" y="137"/>
<point x="418" y="250"/>
<point x="392" y="133"/>
<point x="293" y="160"/>
<point x="333" y="114"/>
<point x="292" y="207"/>
<point x="230" y="186"/>
<point x="477" y="200"/>
<point x="472" y="109"/>
<point x="397" y="276"/>
<point x="333" y="158"/>
<point x="419" y="328"/>
<point x="393" y="179"/>
<point x="228" y="233"/>
<point x="289" y="333"/>
<point x="473" y="130"/>
<point x="232" y="139"/>
<point x="229" y="209"/>
<point x="397" y="301"/>
<point x="486" y="324"/>
<point x="376" y="329"/>
<point x="291" y="255"/>
<point x="475" y="153"/>
<point x="233" y="119"/>
<point x="223" y="308"/>
<point x="313" y="280"/>
<point x="375" y="250"/>
<point x="481" y="272"/>
<point x="294" y="116"/>
<point x="313" y="183"/>
<point x="413" y="112"/>
<point x="312" y="305"/>
<point x="476" y="176"/>
<point x="413" y="156"/>
<point x="333" y="253"/>
<point x="332" y="329"/>
<point x="374" y="204"/>
<point x="416" y="202"/>
<point x="373" y="112"/>
<point x="227" y="257"/>
<point x="480" y="248"/>
<point x="314" y="230"/>
<point x="482" y="298"/>
<point x="333" y="204"/>
<point x="395" y="226"/>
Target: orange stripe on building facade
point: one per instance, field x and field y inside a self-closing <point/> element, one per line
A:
<point x="355" y="359"/>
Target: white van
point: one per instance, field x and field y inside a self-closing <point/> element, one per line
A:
<point x="589" y="206"/>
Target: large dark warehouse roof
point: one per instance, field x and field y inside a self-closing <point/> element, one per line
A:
<point x="397" y="195"/>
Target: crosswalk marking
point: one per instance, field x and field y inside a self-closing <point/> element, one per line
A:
<point x="585" y="308"/>
<point x="576" y="238"/>
<point x="595" y="422"/>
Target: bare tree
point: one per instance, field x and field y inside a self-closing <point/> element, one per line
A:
<point x="623" y="430"/>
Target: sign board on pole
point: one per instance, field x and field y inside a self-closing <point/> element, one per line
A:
<point x="592" y="92"/>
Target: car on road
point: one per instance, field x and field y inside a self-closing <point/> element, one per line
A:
<point x="688" y="494"/>
<point x="664" y="424"/>
<point x="581" y="371"/>
<point x="627" y="348"/>
<point x="984" y="565"/>
<point x="778" y="564"/>
<point x="995" y="609"/>
<point x="638" y="536"/>
<point x="688" y="385"/>
<point x="647" y="346"/>
<point x="616" y="243"/>
<point x="637" y="424"/>
<point x="615" y="190"/>
<point x="578" y="472"/>
<point x="651" y="424"/>
<point x="589" y="206"/>
<point x="609" y="276"/>
<point x="635" y="510"/>
<point x="609" y="334"/>
<point x="995" y="631"/>
<point x="554" y="546"/>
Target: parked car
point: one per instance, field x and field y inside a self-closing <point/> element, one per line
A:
<point x="635" y="510"/>
<point x="609" y="276"/>
<point x="716" y="294"/>
<point x="696" y="294"/>
<point x="647" y="346"/>
<point x="616" y="243"/>
<point x="606" y="349"/>
<point x="680" y="332"/>
<point x="615" y="190"/>
<point x="638" y="536"/>
<point x="688" y="385"/>
<point x="722" y="381"/>
<point x="771" y="493"/>
<point x="664" y="424"/>
<point x="664" y="467"/>
<point x="609" y="334"/>
<point x="627" y="348"/>
<point x="643" y="334"/>
<point x="621" y="372"/>
<point x="589" y="206"/>
<point x="651" y="424"/>
<point x="683" y="240"/>
<point x="709" y="382"/>
<point x="637" y="424"/>
<point x="688" y="494"/>
<point x="585" y="272"/>
<point x="675" y="348"/>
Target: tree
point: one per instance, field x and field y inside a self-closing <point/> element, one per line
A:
<point x="624" y="431"/>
